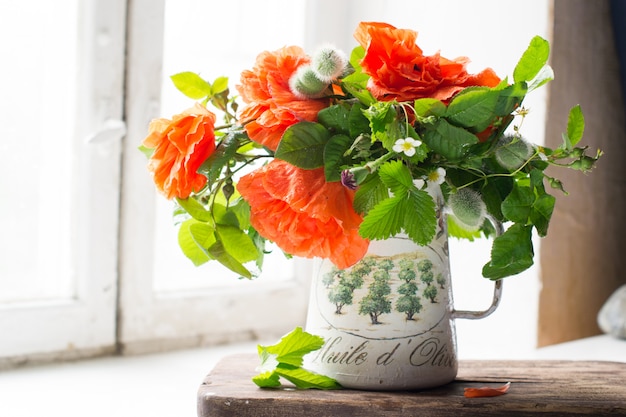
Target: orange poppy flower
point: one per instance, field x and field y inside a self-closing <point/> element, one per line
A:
<point x="180" y="146"/>
<point x="269" y="105"/>
<point x="399" y="70"/>
<point x="303" y="214"/>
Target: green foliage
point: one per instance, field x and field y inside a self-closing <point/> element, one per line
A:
<point x="303" y="145"/>
<point x="409" y="209"/>
<point x="449" y="141"/>
<point x="512" y="252"/>
<point x="474" y="108"/>
<point x="192" y="85"/>
<point x="532" y="61"/>
<point x="353" y="140"/>
<point x="284" y="359"/>
<point x="575" y="127"/>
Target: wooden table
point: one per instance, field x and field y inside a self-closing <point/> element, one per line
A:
<point x="538" y="388"/>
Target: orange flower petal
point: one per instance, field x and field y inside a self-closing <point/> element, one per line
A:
<point x="399" y="71"/>
<point x="180" y="146"/>
<point x="486" y="391"/>
<point x="303" y="214"/>
<point x="269" y="105"/>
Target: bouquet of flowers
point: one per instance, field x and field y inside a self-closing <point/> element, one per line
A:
<point x="327" y="152"/>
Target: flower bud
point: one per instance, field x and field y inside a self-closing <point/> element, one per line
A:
<point x="352" y="178"/>
<point x="468" y="208"/>
<point x="304" y="83"/>
<point x="512" y="152"/>
<point x="328" y="63"/>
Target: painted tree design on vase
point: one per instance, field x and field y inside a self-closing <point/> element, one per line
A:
<point x="408" y="302"/>
<point x="377" y="300"/>
<point x="441" y="280"/>
<point x="342" y="293"/>
<point x="425" y="268"/>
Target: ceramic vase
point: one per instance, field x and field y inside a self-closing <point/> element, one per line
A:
<point x="388" y="321"/>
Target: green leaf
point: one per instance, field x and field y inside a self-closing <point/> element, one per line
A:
<point x="420" y="221"/>
<point x="268" y="360"/>
<point x="267" y="380"/>
<point x="356" y="56"/>
<point x="494" y="192"/>
<point x="512" y="253"/>
<point x="396" y="176"/>
<point x="191" y="85"/>
<point x="236" y="243"/>
<point x="219" y="85"/>
<point x="224" y="216"/>
<point x="146" y="151"/>
<point x="333" y="156"/>
<point x="335" y="118"/>
<point x="510" y="98"/>
<point x="575" y="126"/>
<point x="533" y="60"/>
<point x="457" y="231"/>
<point x="546" y="74"/>
<point x="542" y="212"/>
<point x="303" y="145"/>
<point x="195" y="209"/>
<point x="304" y="379"/>
<point x="473" y="109"/>
<point x="449" y="141"/>
<point x="518" y="204"/>
<point x="356" y="84"/>
<point x="293" y="346"/>
<point x="285" y="359"/>
<point x="218" y="252"/>
<point x="381" y="116"/>
<point x="369" y="193"/>
<point x="425" y="107"/>
<point x="222" y="156"/>
<point x="193" y="238"/>
<point x="409" y="209"/>
<point x="357" y="122"/>
<point x="385" y="219"/>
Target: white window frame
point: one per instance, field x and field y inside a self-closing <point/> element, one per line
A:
<point x="85" y="324"/>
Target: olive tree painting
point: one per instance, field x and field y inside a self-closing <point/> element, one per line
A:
<point x="380" y="285"/>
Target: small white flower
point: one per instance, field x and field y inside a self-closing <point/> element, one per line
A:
<point x="407" y="146"/>
<point x="437" y="176"/>
<point x="542" y="156"/>
<point x="419" y="183"/>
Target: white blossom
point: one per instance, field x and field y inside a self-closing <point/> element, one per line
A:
<point x="407" y="146"/>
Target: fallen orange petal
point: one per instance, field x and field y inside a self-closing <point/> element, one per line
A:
<point x="486" y="391"/>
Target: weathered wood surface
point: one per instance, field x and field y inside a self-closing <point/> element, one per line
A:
<point x="538" y="388"/>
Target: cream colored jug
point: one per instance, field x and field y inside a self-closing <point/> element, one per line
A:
<point x="388" y="321"/>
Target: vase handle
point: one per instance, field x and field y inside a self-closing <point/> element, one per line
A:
<point x="497" y="291"/>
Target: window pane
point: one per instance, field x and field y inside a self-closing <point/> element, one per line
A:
<point x="225" y="46"/>
<point x="35" y="150"/>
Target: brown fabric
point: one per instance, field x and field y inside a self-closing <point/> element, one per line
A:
<point x="582" y="257"/>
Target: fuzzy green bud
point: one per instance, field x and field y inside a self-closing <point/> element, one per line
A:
<point x="305" y="83"/>
<point x="468" y="208"/>
<point x="328" y="63"/>
<point x="512" y="152"/>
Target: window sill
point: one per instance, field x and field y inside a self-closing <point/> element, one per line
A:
<point x="166" y="384"/>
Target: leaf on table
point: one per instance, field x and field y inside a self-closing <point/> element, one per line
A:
<point x="486" y="391"/>
<point x="284" y="359"/>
